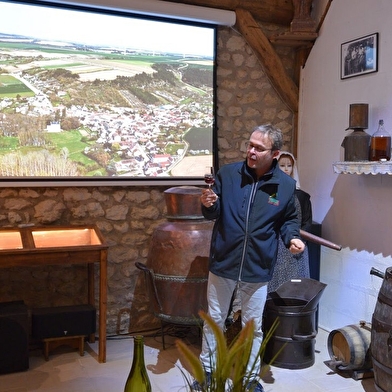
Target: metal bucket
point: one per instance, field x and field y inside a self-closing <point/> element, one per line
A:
<point x="294" y="304"/>
<point x="177" y="263"/>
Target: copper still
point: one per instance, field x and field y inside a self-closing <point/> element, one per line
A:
<point x="177" y="263"/>
<point x="356" y="144"/>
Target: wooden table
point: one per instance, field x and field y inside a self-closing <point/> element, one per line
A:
<point x="37" y="246"/>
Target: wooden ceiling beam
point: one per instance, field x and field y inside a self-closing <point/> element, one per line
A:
<point x="247" y="26"/>
<point x="279" y="12"/>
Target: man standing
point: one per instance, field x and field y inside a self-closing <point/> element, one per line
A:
<point x="252" y="203"/>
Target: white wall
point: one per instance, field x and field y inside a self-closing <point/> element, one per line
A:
<point x="355" y="210"/>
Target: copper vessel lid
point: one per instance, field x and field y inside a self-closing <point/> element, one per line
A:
<point x="183" y="202"/>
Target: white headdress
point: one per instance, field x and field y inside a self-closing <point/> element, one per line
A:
<point x="294" y="174"/>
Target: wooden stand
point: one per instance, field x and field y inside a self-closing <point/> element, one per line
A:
<point x="72" y="341"/>
<point x="356" y="374"/>
<point x="37" y="246"/>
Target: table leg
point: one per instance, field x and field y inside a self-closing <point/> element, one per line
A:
<point x="102" y="306"/>
<point x="91" y="293"/>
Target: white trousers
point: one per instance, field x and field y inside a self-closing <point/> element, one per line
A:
<point x="219" y="295"/>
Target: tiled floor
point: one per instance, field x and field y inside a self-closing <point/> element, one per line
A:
<point x="67" y="371"/>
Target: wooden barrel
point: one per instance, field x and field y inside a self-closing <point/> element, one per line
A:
<point x="349" y="347"/>
<point x="381" y="336"/>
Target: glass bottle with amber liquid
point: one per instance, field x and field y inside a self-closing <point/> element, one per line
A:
<point x="138" y="380"/>
<point x="380" y="144"/>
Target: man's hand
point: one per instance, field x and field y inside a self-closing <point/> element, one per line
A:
<point x="208" y="198"/>
<point x="296" y="246"/>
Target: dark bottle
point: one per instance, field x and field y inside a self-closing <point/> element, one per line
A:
<point x="380" y="144"/>
<point x="138" y="380"/>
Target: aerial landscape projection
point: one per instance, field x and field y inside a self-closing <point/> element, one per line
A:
<point x="87" y="94"/>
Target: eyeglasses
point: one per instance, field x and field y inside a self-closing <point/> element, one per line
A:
<point x="258" y="149"/>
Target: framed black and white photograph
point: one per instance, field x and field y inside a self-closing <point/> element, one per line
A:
<point x="359" y="56"/>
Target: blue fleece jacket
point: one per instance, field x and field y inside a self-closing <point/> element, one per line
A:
<point x="249" y="216"/>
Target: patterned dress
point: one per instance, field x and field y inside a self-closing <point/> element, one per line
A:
<point x="289" y="266"/>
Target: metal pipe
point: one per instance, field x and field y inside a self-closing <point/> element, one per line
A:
<point x="319" y="240"/>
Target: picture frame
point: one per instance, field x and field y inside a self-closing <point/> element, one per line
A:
<point x="359" y="56"/>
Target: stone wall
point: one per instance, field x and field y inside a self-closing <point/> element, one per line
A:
<point x="246" y="97"/>
<point x="127" y="216"/>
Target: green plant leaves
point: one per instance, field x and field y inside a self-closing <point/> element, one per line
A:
<point x="231" y="361"/>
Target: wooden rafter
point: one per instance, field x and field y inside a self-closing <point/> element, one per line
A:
<point x="271" y="62"/>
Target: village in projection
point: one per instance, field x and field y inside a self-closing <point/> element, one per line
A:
<point x="77" y="110"/>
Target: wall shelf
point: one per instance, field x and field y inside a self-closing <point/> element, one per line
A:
<point x="363" y="167"/>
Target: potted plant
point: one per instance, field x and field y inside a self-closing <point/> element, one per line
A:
<point x="231" y="359"/>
